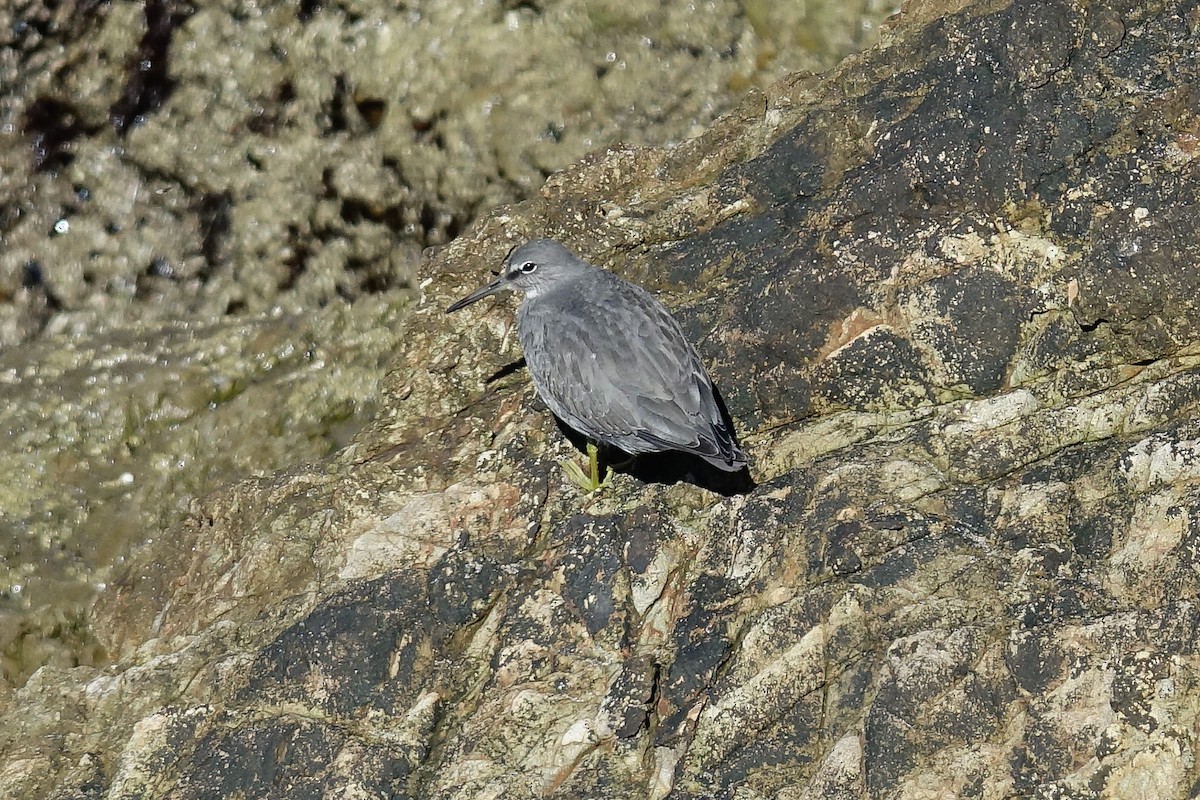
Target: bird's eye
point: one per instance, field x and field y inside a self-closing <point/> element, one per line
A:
<point x="528" y="267"/>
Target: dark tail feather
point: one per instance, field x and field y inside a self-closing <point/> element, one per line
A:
<point x="721" y="451"/>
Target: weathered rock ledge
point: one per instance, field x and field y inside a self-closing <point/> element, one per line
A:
<point x="950" y="294"/>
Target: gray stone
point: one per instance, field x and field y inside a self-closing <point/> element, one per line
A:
<point x="978" y="581"/>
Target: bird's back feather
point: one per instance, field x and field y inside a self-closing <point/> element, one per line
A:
<point x="611" y="362"/>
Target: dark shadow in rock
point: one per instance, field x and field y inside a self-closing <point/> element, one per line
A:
<point x="672" y="466"/>
<point x="505" y="371"/>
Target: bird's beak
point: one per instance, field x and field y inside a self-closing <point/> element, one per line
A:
<point x="478" y="294"/>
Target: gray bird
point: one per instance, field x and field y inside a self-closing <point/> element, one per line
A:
<point x="610" y="360"/>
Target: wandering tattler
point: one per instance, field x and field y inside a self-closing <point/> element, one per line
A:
<point x="610" y="361"/>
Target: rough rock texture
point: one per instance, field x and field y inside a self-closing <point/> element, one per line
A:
<point x="173" y="157"/>
<point x="949" y="291"/>
<point x="211" y="212"/>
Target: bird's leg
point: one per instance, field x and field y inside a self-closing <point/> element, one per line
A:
<point x="594" y="463"/>
<point x="624" y="464"/>
<point x="589" y="482"/>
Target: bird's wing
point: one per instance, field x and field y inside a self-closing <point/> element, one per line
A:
<point x="613" y="364"/>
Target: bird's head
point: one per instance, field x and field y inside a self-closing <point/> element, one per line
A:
<point x="529" y="269"/>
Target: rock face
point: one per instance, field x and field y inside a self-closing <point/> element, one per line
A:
<point x="211" y="215"/>
<point x="949" y="291"/>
